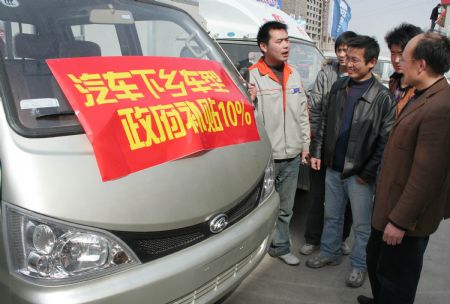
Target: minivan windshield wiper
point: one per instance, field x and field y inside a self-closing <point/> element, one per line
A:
<point x="48" y="114"/>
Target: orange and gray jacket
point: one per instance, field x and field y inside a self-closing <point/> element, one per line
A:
<point x="283" y="109"/>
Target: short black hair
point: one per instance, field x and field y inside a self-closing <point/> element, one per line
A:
<point x="263" y="33"/>
<point x="435" y="50"/>
<point x="369" y="44"/>
<point x="402" y="34"/>
<point x="343" y="38"/>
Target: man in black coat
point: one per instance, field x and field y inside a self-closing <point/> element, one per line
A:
<point x="434" y="16"/>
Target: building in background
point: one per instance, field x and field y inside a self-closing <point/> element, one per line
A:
<point x="316" y="14"/>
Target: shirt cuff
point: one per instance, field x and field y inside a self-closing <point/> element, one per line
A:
<point x="398" y="226"/>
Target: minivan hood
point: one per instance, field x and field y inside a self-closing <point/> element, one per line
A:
<point x="59" y="177"/>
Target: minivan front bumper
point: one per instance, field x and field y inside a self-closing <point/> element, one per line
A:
<point x="202" y="273"/>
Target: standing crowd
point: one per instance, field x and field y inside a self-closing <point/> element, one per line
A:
<point x="379" y="156"/>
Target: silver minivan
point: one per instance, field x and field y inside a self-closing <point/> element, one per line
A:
<point x="185" y="231"/>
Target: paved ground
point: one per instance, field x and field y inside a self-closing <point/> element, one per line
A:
<point x="274" y="282"/>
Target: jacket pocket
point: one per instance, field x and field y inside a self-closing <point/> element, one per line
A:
<point x="269" y="92"/>
<point x="405" y="137"/>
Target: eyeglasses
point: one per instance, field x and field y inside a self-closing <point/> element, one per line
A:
<point x="352" y="60"/>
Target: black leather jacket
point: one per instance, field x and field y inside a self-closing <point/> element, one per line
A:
<point x="320" y="90"/>
<point x="373" y="117"/>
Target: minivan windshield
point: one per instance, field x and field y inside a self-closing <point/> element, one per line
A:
<point x="305" y="57"/>
<point x="32" y="31"/>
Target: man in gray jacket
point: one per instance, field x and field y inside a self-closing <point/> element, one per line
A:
<point x="325" y="79"/>
<point x="277" y="92"/>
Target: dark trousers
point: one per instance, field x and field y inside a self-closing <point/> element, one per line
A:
<point x="314" y="220"/>
<point x="394" y="271"/>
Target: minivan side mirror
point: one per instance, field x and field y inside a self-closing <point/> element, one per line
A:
<point x="245" y="73"/>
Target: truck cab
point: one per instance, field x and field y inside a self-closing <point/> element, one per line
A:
<point x="234" y="24"/>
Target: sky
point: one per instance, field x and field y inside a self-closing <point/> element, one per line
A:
<point x="377" y="17"/>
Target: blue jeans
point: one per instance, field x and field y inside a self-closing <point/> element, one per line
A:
<point x="314" y="218"/>
<point x="286" y="176"/>
<point x="338" y="192"/>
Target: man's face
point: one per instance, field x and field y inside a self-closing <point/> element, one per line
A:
<point x="357" y="68"/>
<point x="396" y="55"/>
<point x="410" y="66"/>
<point x="341" y="54"/>
<point x="276" y="51"/>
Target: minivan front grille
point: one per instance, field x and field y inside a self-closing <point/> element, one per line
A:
<point x="149" y="246"/>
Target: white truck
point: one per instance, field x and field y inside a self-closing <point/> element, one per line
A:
<point x="235" y="23"/>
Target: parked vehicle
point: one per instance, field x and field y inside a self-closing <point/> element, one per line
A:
<point x="383" y="69"/>
<point x="235" y="24"/>
<point x="185" y="231"/>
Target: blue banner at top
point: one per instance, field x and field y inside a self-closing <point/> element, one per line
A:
<point x="274" y="3"/>
<point x="342" y="14"/>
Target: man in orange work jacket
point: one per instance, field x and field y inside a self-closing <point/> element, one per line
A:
<point x="280" y="101"/>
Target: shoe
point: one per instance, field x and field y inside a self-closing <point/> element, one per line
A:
<point x="355" y="278"/>
<point x="289" y="259"/>
<point x="307" y="249"/>
<point x="321" y="261"/>
<point x="346" y="250"/>
<point x="364" y="300"/>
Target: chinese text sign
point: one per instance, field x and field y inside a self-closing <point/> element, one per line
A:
<point x="139" y="112"/>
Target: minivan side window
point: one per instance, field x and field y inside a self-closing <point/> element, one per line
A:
<point x="14" y="28"/>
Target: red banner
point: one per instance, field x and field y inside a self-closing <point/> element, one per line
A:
<point x="139" y="112"/>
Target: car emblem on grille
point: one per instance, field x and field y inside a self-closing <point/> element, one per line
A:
<point x="218" y="223"/>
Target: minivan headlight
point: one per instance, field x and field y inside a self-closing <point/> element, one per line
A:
<point x="269" y="181"/>
<point x="50" y="251"/>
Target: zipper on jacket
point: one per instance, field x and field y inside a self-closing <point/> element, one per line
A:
<point x="283" y="90"/>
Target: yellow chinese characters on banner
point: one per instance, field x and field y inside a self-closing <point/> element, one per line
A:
<point x="165" y="122"/>
<point x="123" y="85"/>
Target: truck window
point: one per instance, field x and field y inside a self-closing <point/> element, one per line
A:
<point x="304" y="57"/>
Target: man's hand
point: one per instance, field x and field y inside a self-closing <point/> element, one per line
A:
<point x="251" y="90"/>
<point x="315" y="163"/>
<point x="305" y="158"/>
<point x="392" y="235"/>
